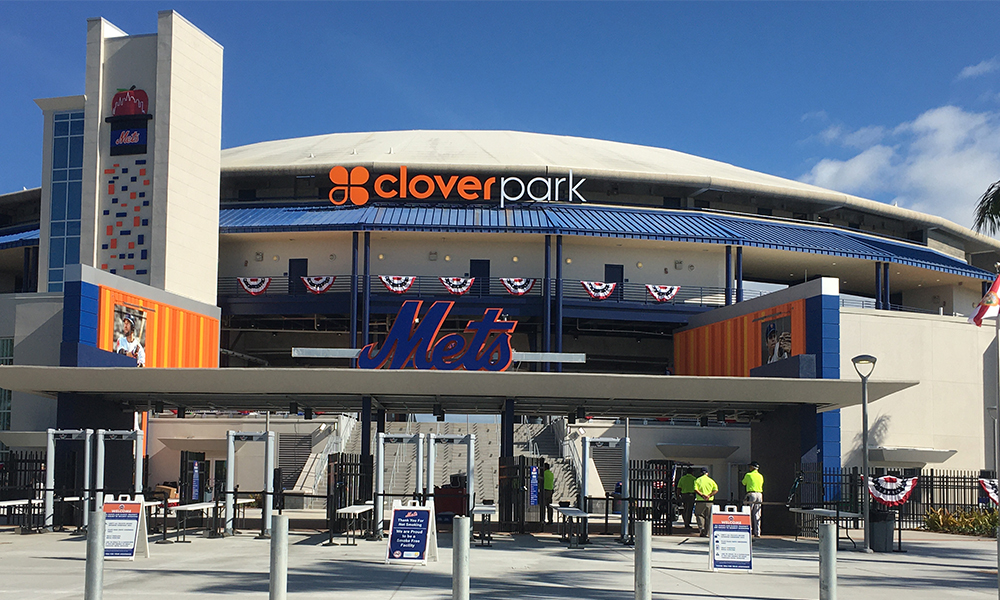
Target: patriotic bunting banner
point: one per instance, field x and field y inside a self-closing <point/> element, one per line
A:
<point x="989" y="306"/>
<point x="458" y="285"/>
<point x="397" y="284"/>
<point x="598" y="290"/>
<point x="517" y="286"/>
<point x="663" y="293"/>
<point x="992" y="490"/>
<point x="891" y="491"/>
<point x="318" y="285"/>
<point x="254" y="285"/>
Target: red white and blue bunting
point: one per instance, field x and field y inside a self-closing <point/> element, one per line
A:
<point x="598" y="290"/>
<point x="663" y="293"/>
<point x="318" y="285"/>
<point x="458" y="286"/>
<point x="891" y="491"/>
<point x="991" y="488"/>
<point x="517" y="286"/>
<point x="397" y="284"/>
<point x="254" y="286"/>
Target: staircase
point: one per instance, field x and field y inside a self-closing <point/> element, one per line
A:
<point x="530" y="439"/>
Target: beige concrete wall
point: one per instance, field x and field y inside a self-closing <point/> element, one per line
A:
<point x="955" y="364"/>
<point x="187" y="148"/>
<point x="410" y="254"/>
<point x="35" y="323"/>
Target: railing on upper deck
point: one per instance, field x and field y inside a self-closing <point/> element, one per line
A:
<point x="573" y="290"/>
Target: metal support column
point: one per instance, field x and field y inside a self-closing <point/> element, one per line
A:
<point x="50" y="478"/>
<point x="547" y="302"/>
<point x="137" y="488"/>
<point x="366" y="426"/>
<point x="626" y="492"/>
<point x="268" y="482"/>
<point x="470" y="475"/>
<point x="878" y="286"/>
<point x="420" y="468"/>
<point x="739" y="273"/>
<point x="431" y="452"/>
<point x="584" y="462"/>
<point x="507" y="429"/>
<point x="99" y="470"/>
<point x="379" y="508"/>
<point x="729" y="275"/>
<point x="354" y="295"/>
<point x="559" y="298"/>
<point x="887" y="303"/>
<point x="366" y="286"/>
<point x="230" y="480"/>
<point x="88" y="439"/>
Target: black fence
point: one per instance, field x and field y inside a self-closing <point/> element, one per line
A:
<point x="840" y="489"/>
<point x="651" y="494"/>
<point x="348" y="482"/>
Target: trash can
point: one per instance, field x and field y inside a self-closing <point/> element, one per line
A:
<point x="883" y="523"/>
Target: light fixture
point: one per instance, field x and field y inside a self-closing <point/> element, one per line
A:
<point x="381" y="256"/>
<point x="333" y="257"/>
<point x="864" y="364"/>
<point x="514" y="259"/>
<point x="447" y="258"/>
<point x="569" y="260"/>
<point x="275" y="257"/>
<point x="638" y="265"/>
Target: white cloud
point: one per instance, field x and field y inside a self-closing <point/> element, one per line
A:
<point x="939" y="163"/>
<point x="983" y="68"/>
<point x="818" y="115"/>
<point x="862" y="174"/>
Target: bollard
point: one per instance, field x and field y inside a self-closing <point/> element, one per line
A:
<point x="460" y="559"/>
<point x="828" y="561"/>
<point x="279" y="558"/>
<point x="643" y="560"/>
<point x="94" y="586"/>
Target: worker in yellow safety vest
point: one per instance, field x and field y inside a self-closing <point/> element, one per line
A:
<point x="754" y="483"/>
<point x="705" y="490"/>
<point x="685" y="490"/>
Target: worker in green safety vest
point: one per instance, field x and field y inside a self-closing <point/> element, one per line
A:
<point x="753" y="481"/>
<point x="705" y="490"/>
<point x="685" y="491"/>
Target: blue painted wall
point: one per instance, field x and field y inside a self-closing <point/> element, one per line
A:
<point x="823" y="340"/>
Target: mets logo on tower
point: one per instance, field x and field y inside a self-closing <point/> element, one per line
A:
<point x="349" y="186"/>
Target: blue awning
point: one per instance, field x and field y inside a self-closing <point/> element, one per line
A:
<point x="19" y="239"/>
<point x="601" y="221"/>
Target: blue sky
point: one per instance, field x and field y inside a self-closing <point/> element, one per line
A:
<point x="897" y="101"/>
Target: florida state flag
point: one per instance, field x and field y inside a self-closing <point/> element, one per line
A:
<point x="989" y="306"/>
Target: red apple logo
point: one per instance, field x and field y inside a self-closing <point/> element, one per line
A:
<point x="129" y="102"/>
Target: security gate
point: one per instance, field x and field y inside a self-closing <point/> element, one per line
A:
<point x="652" y="490"/>
<point x="348" y="482"/>
<point x="516" y="513"/>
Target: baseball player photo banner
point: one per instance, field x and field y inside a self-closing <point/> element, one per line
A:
<point x="130" y="333"/>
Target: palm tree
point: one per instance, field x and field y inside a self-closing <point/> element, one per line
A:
<point x="988" y="211"/>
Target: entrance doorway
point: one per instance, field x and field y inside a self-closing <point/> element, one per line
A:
<point x="615" y="274"/>
<point x="297" y="269"/>
<point x="480" y="269"/>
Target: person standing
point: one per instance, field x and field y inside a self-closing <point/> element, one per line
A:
<point x="685" y="489"/>
<point x="753" y="481"/>
<point x="705" y="490"/>
<point x="548" y="489"/>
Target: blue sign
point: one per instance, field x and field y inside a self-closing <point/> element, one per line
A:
<point x="408" y="533"/>
<point x="533" y="486"/>
<point x="195" y="482"/>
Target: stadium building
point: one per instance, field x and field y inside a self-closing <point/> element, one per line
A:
<point x="575" y="279"/>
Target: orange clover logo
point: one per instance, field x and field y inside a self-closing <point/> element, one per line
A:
<point x="349" y="186"/>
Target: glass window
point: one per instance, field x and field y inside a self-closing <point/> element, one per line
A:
<point x="66" y="193"/>
<point x="60" y="152"/>
<point x="57" y="252"/>
<point x="76" y="151"/>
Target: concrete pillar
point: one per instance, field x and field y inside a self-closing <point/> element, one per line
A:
<point x="828" y="561"/>
<point x="50" y="478"/>
<point x="268" y="510"/>
<point x="278" y="584"/>
<point x="643" y="560"/>
<point x="94" y="578"/>
<point x="460" y="558"/>
<point x="230" y="480"/>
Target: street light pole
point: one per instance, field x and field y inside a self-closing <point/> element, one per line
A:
<point x="865" y="362"/>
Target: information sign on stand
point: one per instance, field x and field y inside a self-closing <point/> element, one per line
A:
<point x="731" y="549"/>
<point x="533" y="486"/>
<point x="125" y="529"/>
<point x="412" y="535"/>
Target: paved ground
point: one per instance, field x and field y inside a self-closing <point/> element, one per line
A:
<point x="522" y="566"/>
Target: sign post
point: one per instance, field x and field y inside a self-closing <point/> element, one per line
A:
<point x="731" y="549"/>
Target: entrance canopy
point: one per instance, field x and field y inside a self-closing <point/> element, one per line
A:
<point x="419" y="392"/>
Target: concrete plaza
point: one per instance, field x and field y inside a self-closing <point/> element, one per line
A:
<point x="51" y="566"/>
